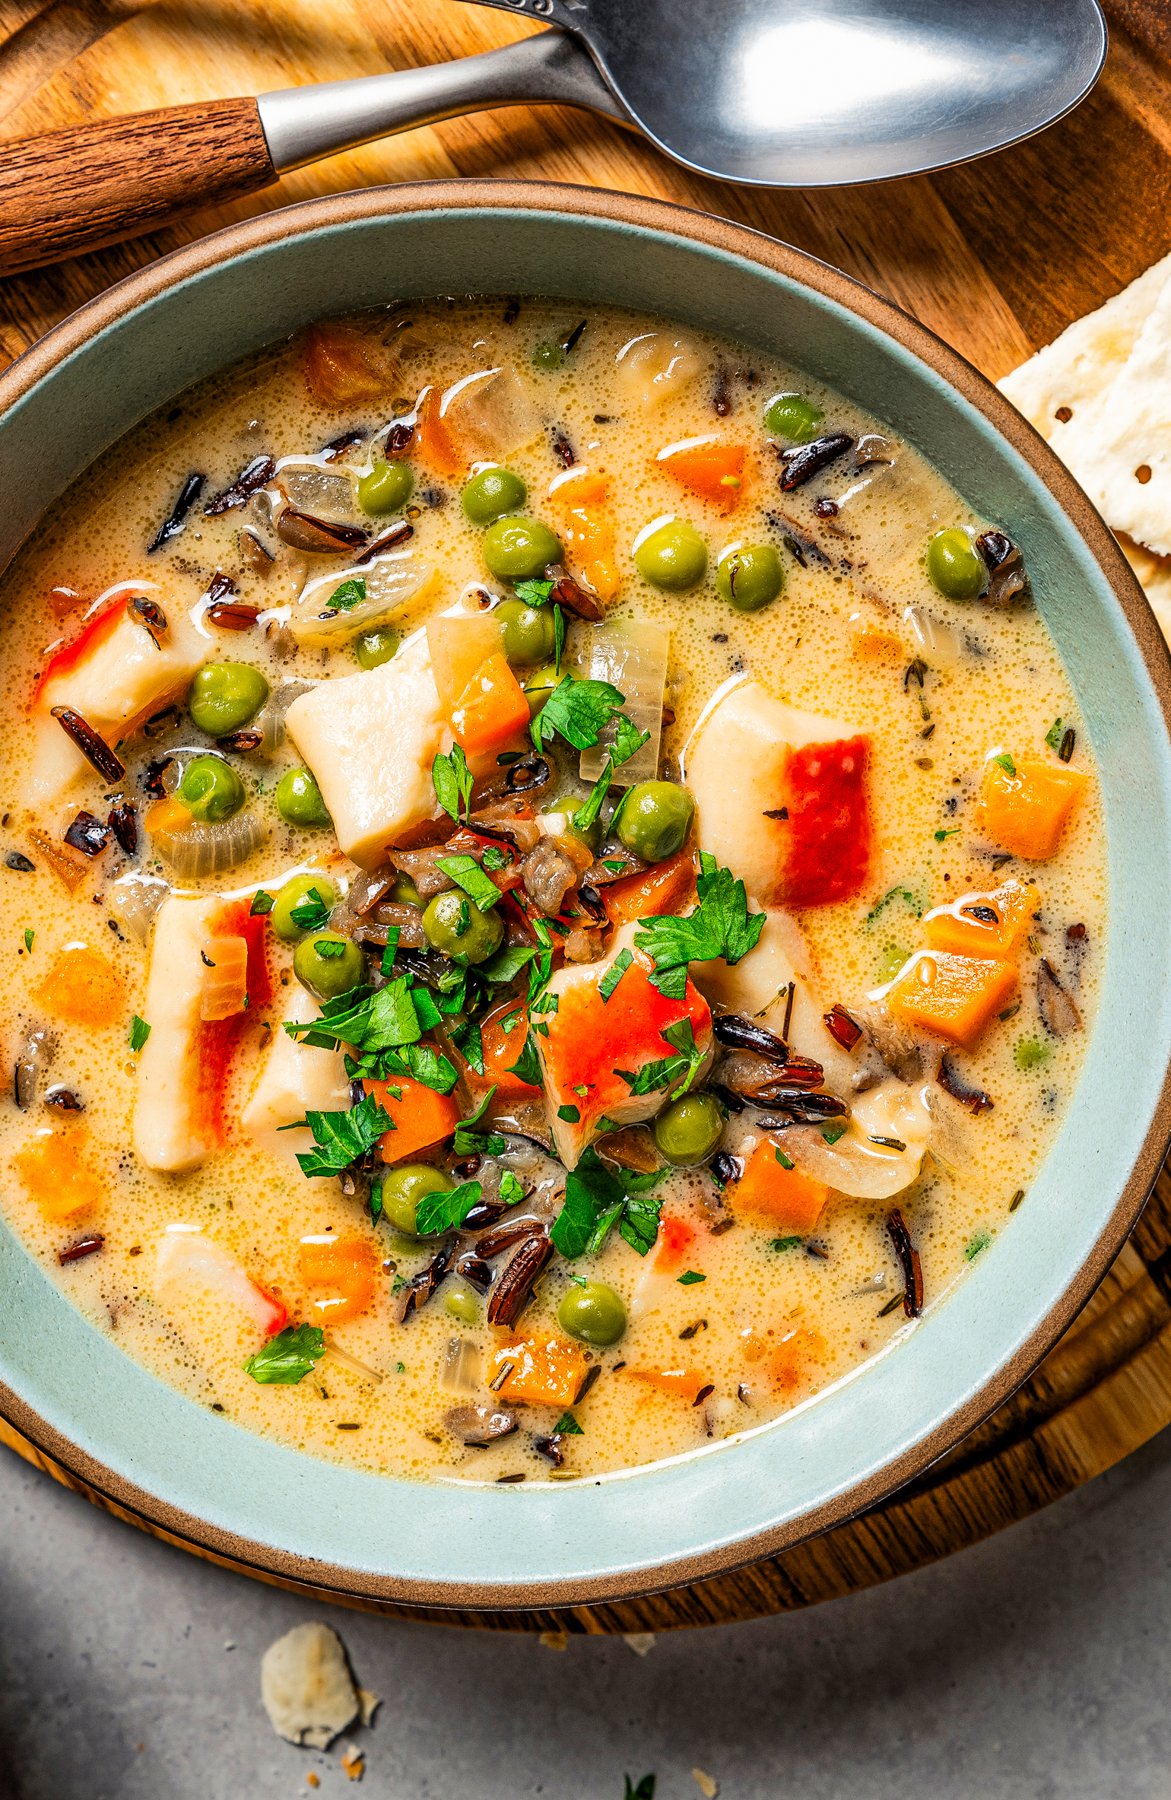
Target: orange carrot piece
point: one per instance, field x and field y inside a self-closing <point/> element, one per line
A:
<point x="347" y="1270"/>
<point x="545" y="1372"/>
<point x="53" y="1169"/>
<point x="680" y="1384"/>
<point x="166" y="814"/>
<point x="956" y="997"/>
<point x="965" y="928"/>
<point x="707" y="466"/>
<point x="1026" y="811"/>
<point x="666" y="888"/>
<point x="345" y="367"/>
<point x="421" y="1117"/>
<point x="491" y="710"/>
<point x="500" y="1049"/>
<point x="789" y="1363"/>
<point x="436" y="440"/>
<point x="587" y="529"/>
<point x="776" y="1196"/>
<point x="82" y="987"/>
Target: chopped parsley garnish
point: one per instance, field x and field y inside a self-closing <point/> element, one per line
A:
<point x="786" y="1162"/>
<point x="981" y="1239"/>
<point x="720" y="926"/>
<point x="1055" y="734"/>
<point x="527" y="1066"/>
<point x="453" y="782"/>
<point x="447" y="1209"/>
<point x="614" y="974"/>
<point x="312" y="914"/>
<point x="578" y="711"/>
<point x="469" y="1141"/>
<point x="598" y="1198"/>
<point x="942" y="834"/>
<point x="660" y="1074"/>
<point x="690" y="1277"/>
<point x="558" y="638"/>
<point x="1004" y="761"/>
<point x="507" y="964"/>
<point x="29" y="935"/>
<point x="329" y="949"/>
<point x="495" y="858"/>
<point x="289" y="1356"/>
<point x="467" y="874"/>
<point x="262" y="903"/>
<point x="139" y="1032"/>
<point x="644" y="1791"/>
<point x="535" y="593"/>
<point x="786" y="1243"/>
<point x="511" y="1191"/>
<point x="376" y="1199"/>
<point x="567" y="1426"/>
<point x="831" y="1133"/>
<point x="570" y="1114"/>
<point x="342" y="1138"/>
<point x="469" y="1041"/>
<point x="348" y="595"/>
<point x="895" y="893"/>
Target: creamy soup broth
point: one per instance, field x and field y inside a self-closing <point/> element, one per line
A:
<point x="746" y="1301"/>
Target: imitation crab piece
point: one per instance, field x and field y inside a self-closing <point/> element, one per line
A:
<point x="781" y="797"/>
<point x="295" y="1078"/>
<point x="370" y="740"/>
<point x="122" y="667"/>
<point x="183" y="1065"/>
<point x="194" y="1273"/>
<point x="591" y="1039"/>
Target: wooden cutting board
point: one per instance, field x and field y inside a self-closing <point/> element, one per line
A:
<point x="996" y="257"/>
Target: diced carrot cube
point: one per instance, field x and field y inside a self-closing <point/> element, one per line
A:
<point x="789" y="1365"/>
<point x="954" y="996"/>
<point x="500" y="1049"/>
<point x="545" y="1372"/>
<point x="492" y="708"/>
<point x="675" y="1239"/>
<point x="53" y="1169"/>
<point x="587" y="530"/>
<point x="827" y="832"/>
<point x="991" y="924"/>
<point x="1026" y="810"/>
<point x="166" y="814"/>
<point x="666" y="888"/>
<point x="421" y="1117"/>
<point x="346" y="1268"/>
<point x="775" y="1195"/>
<point x="680" y="1384"/>
<point x="707" y="466"/>
<point x="83" y="987"/>
<point x="437" y="443"/>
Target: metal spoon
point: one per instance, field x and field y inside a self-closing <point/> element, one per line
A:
<point x="773" y="93"/>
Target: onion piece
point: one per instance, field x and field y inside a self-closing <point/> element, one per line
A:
<point x="460" y="1373"/>
<point x="389" y="583"/>
<point x="37" y="1051"/>
<point x="210" y="848"/>
<point x="490" y="413"/>
<point x="632" y="656"/>
<point x="939" y="644"/>
<point x="312" y="487"/>
<point x="271" y="718"/>
<point x="134" y="900"/>
<point x="858" y="1165"/>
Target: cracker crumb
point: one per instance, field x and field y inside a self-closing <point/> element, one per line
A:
<point x="368" y="1705"/>
<point x="554" y="1640"/>
<point x="313" y="1779"/>
<point x="306" y="1686"/>
<point x="708" y="1786"/>
<point x="354" y="1762"/>
<point x="641" y="1642"/>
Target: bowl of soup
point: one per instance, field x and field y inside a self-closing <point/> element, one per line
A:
<point x="581" y="815"/>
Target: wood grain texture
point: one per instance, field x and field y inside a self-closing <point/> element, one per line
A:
<point x="997" y="258"/>
<point x="64" y="192"/>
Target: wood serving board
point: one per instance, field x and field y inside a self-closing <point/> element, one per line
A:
<point x="996" y="257"/>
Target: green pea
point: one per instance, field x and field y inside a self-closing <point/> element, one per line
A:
<point x="594" y="1313"/>
<point x="539" y="686"/>
<point x="671" y="555"/>
<point x="688" y="1129"/>
<point x="955" y="565"/>
<point x="461" y="1301"/>
<point x="793" y="417"/>
<point x="380" y="645"/>
<point x="490" y="493"/>
<point x="518" y="549"/>
<point x="402" y="1189"/>
<point x="297" y="892"/>
<point x="298" y="799"/>
<point x="451" y="923"/>
<point x="655" y="818"/>
<point x="328" y="964"/>
<point x="404" y="892"/>
<point x="749" y="576"/>
<point x="528" y="631"/>
<point x="224" y="696"/>
<point x="211" y="789"/>
<point x="387" y="488"/>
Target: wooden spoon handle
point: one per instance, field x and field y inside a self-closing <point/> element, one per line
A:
<point x="76" y="190"/>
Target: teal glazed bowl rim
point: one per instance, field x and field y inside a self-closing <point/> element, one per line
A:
<point x="192" y="1473"/>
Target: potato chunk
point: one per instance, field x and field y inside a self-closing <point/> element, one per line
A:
<point x="295" y="1078"/>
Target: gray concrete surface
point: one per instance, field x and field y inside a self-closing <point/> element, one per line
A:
<point x="1036" y="1667"/>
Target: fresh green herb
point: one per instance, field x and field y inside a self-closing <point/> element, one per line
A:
<point x="786" y="1162"/>
<point x="782" y="1244"/>
<point x="578" y="711"/>
<point x="644" y="1791"/>
<point x="890" y="962"/>
<point x="567" y="1426"/>
<point x="29" y="935"/>
<point x="720" y="926"/>
<point x="511" y="1191"/>
<point x="453" y="782"/>
<point x="535" y="593"/>
<point x="941" y="834"/>
<point x="368" y="1021"/>
<point x="686" y="1062"/>
<point x="597" y="1198"/>
<point x="981" y="1239"/>
<point x="390" y="951"/>
<point x="558" y="638"/>
<point x="262" y="903"/>
<point x="894" y="893"/>
<point x="375" y="1199"/>
<point x="614" y="974"/>
<point x="570" y="1114"/>
<point x="424" y="1064"/>
<point x="342" y="1138"/>
<point x="469" y="1041"/>
<point x="1030" y="1053"/>
<point x="588" y="811"/>
<point x="467" y="874"/>
<point x="328" y="949"/>
<point x="690" y="1277"/>
<point x="1004" y="761"/>
<point x="469" y="1141"/>
<point x="494" y="857"/>
<point x="288" y="1357"/>
<point x="614" y="866"/>
<point x="350" y="594"/>
<point x="311" y="913"/>
<point x="831" y="1133"/>
<point x="507" y="964"/>
<point x="447" y="1210"/>
<point x="1054" y="735"/>
<point x="527" y="1066"/>
<point x="139" y="1032"/>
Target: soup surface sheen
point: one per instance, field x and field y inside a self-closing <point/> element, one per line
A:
<point x="610" y="1271"/>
